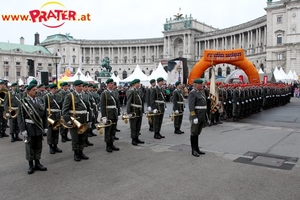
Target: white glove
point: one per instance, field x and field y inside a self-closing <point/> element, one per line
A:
<point x="119" y="117"/>
<point x="7" y="114"/>
<point x="129" y="115"/>
<point x="176" y="111"/>
<point x="104" y="120"/>
<point x="149" y="108"/>
<point x="155" y="111"/>
<point x="45" y="130"/>
<point x="24" y="133"/>
<point x="166" y="109"/>
<point x="69" y="122"/>
<point x="195" y="121"/>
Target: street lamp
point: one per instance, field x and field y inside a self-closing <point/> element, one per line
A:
<point x="179" y="70"/>
<point x="56" y="61"/>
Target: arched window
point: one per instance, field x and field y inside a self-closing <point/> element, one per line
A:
<point x="279" y="39"/>
<point x="74" y="59"/>
<point x="116" y="73"/>
<point x="124" y="74"/>
<point x="150" y="72"/>
<point x="227" y="71"/>
<point x="262" y="67"/>
<point x="143" y="71"/>
<point x="219" y="71"/>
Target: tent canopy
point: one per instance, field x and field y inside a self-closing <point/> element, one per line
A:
<point x="159" y="72"/>
<point x="137" y="74"/>
<point x="81" y="77"/>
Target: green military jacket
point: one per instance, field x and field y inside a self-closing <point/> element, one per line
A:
<point x="197" y="105"/>
<point x="178" y="100"/>
<point x="157" y="99"/>
<point x="108" y="105"/>
<point x="135" y="103"/>
<point x="53" y="103"/>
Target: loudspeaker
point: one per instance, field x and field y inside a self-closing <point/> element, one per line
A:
<point x="45" y="78"/>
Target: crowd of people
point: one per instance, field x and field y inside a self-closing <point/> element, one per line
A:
<point x="36" y="110"/>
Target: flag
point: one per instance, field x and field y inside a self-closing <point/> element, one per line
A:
<point x="213" y="92"/>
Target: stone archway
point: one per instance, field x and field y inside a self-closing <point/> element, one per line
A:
<point x="235" y="57"/>
<point x="178" y="47"/>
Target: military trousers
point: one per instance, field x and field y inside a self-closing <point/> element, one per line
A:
<point x="78" y="140"/>
<point x="2" y="121"/>
<point x="13" y="126"/>
<point x="178" y="122"/>
<point x="157" y="122"/>
<point x="63" y="131"/>
<point x="52" y="136"/>
<point x="34" y="148"/>
<point x="196" y="129"/>
<point x="110" y="132"/>
<point x="135" y="126"/>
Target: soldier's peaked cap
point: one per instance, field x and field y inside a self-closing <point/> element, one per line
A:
<point x="78" y="82"/>
<point x="198" y="81"/>
<point x="109" y="80"/>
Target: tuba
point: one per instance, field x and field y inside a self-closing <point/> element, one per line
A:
<point x="55" y="124"/>
<point x="81" y="127"/>
<point x="173" y="114"/>
<point x="3" y="92"/>
<point x="12" y="114"/>
<point x="125" y="117"/>
<point x="100" y="125"/>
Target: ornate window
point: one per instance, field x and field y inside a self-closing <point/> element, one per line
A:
<point x="124" y="74"/>
<point x="227" y="71"/>
<point x="219" y="71"/>
<point x="279" y="39"/>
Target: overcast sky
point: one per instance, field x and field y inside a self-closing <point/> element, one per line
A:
<point x="126" y="19"/>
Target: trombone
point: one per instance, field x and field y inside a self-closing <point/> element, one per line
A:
<point x="173" y="114"/>
<point x="3" y="92"/>
<point x="125" y="117"/>
<point x="101" y="125"/>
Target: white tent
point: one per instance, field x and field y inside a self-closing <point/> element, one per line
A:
<point x="260" y="71"/>
<point x="286" y="77"/>
<point x="81" y="77"/>
<point x="113" y="76"/>
<point x="279" y="76"/>
<point x="91" y="79"/>
<point x="138" y="74"/>
<point x="291" y="75"/>
<point x="159" y="72"/>
<point x="296" y="78"/>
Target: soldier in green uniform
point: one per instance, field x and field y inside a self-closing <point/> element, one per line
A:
<point x="148" y="92"/>
<point x="64" y="91"/>
<point x="87" y="99"/>
<point x="75" y="106"/>
<point x="135" y="107"/>
<point x="197" y="107"/>
<point x="116" y="95"/>
<point x="32" y="120"/>
<point x="11" y="103"/>
<point x="109" y="111"/>
<point x="53" y="108"/>
<point x="3" y="121"/>
<point x="178" y="107"/>
<point x="94" y="109"/>
<point x="158" y="106"/>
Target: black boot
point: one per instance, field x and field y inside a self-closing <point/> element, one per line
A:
<point x="182" y="132"/>
<point x="194" y="152"/>
<point x="114" y="148"/>
<point x="39" y="166"/>
<point x="151" y="128"/>
<point x="51" y="149"/>
<point x="134" y="142"/>
<point x="197" y="145"/>
<point x="77" y="156"/>
<point x="108" y="147"/>
<point x="157" y="136"/>
<point x="56" y="149"/>
<point x="139" y="141"/>
<point x="161" y="136"/>
<point x="1" y="136"/>
<point x="177" y="131"/>
<point x="4" y="134"/>
<point x="82" y="156"/>
<point x="63" y="139"/>
<point x="12" y="138"/>
<point x="88" y="142"/>
<point x="31" y="169"/>
<point x="17" y="137"/>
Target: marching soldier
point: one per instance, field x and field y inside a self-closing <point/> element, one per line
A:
<point x="148" y="92"/>
<point x="3" y="122"/>
<point x="135" y="108"/>
<point x="197" y="107"/>
<point x="178" y="107"/>
<point x="62" y="94"/>
<point x="75" y="105"/>
<point x="109" y="113"/>
<point x="32" y="120"/>
<point x="158" y="106"/>
<point x="11" y="103"/>
<point x="53" y="107"/>
<point x="87" y="99"/>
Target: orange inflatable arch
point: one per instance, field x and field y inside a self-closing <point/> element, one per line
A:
<point x="235" y="57"/>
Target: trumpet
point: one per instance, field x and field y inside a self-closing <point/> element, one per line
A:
<point x="150" y="114"/>
<point x="55" y="124"/>
<point x="125" y="117"/>
<point x="100" y="125"/>
<point x="81" y="127"/>
<point x="12" y="114"/>
<point x="173" y="114"/>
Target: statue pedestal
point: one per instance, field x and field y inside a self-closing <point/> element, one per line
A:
<point x="103" y="76"/>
